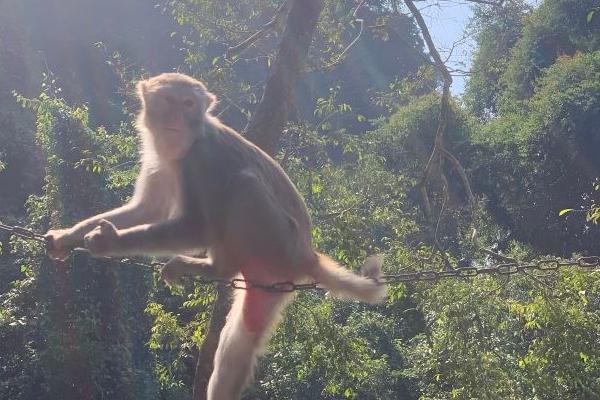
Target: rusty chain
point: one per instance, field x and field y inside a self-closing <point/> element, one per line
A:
<point x="22" y="232"/>
<point x="506" y="269"/>
<point x="236" y="283"/>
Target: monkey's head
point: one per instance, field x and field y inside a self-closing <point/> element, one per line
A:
<point x="174" y="107"/>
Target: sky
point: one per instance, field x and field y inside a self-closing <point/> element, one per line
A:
<point x="447" y="24"/>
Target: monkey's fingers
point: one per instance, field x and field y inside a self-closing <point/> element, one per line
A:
<point x="56" y="244"/>
<point x="53" y="248"/>
<point x="107" y="228"/>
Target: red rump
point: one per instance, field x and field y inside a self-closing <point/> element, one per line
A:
<point x="256" y="304"/>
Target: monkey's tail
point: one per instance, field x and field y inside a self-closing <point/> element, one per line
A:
<point x="345" y="284"/>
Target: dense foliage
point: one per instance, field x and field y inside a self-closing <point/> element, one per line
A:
<point x="527" y="131"/>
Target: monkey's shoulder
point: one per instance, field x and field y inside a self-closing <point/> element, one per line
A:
<point x="223" y="149"/>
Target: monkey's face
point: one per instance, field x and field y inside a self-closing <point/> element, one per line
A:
<point x="174" y="108"/>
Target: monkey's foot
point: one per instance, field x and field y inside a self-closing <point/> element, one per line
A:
<point x="182" y="266"/>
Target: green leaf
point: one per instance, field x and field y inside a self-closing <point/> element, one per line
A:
<point x="565" y="211"/>
<point x="590" y="16"/>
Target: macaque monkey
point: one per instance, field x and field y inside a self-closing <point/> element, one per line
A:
<point x="202" y="186"/>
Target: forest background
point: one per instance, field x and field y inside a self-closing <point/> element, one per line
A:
<point x="367" y="106"/>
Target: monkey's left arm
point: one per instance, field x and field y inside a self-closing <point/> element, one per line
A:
<point x="167" y="237"/>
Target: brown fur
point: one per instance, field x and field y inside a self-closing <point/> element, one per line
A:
<point x="203" y="186"/>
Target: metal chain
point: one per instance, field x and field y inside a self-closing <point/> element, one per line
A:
<point x="588" y="262"/>
<point x="22" y="232"/>
<point x="237" y="283"/>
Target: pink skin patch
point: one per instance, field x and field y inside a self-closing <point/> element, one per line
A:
<point x="259" y="304"/>
<point x="256" y="310"/>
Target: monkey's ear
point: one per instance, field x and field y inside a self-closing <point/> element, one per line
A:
<point x="211" y="101"/>
<point x="141" y="90"/>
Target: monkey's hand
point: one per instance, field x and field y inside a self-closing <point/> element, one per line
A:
<point x="59" y="243"/>
<point x="103" y="240"/>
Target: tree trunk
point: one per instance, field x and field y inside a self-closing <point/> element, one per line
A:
<point x="266" y="125"/>
<point x="265" y="129"/>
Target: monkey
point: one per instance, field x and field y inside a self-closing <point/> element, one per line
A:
<point x="203" y="186"/>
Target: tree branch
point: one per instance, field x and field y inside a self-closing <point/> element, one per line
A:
<point x="342" y="55"/>
<point x="439" y="152"/>
<point x="430" y="45"/>
<point x="264" y="129"/>
<point x="273" y="24"/>
<point x="461" y="172"/>
<point x="439" y="148"/>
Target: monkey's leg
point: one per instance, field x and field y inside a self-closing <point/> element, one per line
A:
<point x="252" y="315"/>
<point x="184" y="266"/>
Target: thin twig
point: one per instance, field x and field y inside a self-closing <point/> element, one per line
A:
<point x="274" y="23"/>
<point x="342" y="55"/>
<point x="497" y="256"/>
<point x="490" y="252"/>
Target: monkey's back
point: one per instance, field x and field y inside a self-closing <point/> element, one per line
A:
<point x="212" y="168"/>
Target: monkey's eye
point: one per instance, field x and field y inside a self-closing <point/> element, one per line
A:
<point x="188" y="103"/>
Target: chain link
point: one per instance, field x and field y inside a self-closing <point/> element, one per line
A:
<point x="22" y="232"/>
<point x="506" y="269"/>
<point x="589" y="262"/>
<point x="237" y="283"/>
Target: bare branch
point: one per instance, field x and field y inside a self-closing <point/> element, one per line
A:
<point x="454" y="45"/>
<point x="273" y="24"/>
<point x="490" y="252"/>
<point x="439" y="152"/>
<point x="342" y="55"/>
<point x="488" y="2"/>
<point x="430" y="45"/>
<point x="444" y="112"/>
<point x="460" y="72"/>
